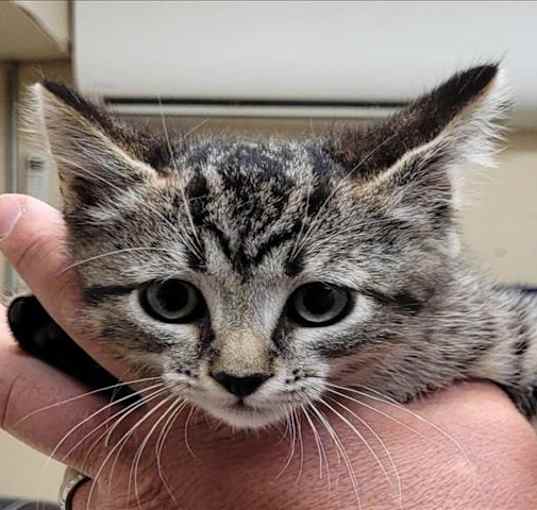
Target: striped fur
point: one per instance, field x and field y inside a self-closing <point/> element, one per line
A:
<point x="248" y="221"/>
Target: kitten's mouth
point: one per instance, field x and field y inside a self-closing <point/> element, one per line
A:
<point x="242" y="415"/>
<point x="247" y="412"/>
<point x="242" y="408"/>
<point x="240" y="405"/>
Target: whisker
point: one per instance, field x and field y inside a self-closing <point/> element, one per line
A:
<point x="301" y="446"/>
<point x="320" y="449"/>
<point x="377" y="411"/>
<point x="83" y="172"/>
<point x="110" y="254"/>
<point x="95" y="414"/>
<point x="138" y="456"/>
<point x="399" y="407"/>
<point x="292" y="446"/>
<point x="120" y="417"/>
<point x="123" y="440"/>
<point x="179" y="407"/>
<point x="284" y="434"/>
<point x="398" y="486"/>
<point x="339" y="447"/>
<point x="84" y="395"/>
<point x="112" y="470"/>
<point x="299" y="243"/>
<point x="118" y="422"/>
<point x="197" y="242"/>
<point x="195" y="128"/>
<point x="187" y="423"/>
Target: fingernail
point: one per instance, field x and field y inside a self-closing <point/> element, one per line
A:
<point x="10" y="212"/>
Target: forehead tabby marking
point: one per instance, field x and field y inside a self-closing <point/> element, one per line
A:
<point x="253" y="198"/>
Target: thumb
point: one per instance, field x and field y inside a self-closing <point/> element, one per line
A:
<point x="33" y="239"/>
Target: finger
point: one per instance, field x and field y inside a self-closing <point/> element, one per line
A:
<point x="55" y="413"/>
<point x="30" y="393"/>
<point x="32" y="236"/>
<point x="33" y="239"/>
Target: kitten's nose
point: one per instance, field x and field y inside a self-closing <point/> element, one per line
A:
<point x="240" y="386"/>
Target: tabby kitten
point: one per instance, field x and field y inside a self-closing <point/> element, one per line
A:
<point x="257" y="273"/>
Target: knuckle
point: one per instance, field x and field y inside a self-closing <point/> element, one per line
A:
<point x="37" y="249"/>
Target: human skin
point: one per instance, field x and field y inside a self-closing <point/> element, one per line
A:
<point x="463" y="448"/>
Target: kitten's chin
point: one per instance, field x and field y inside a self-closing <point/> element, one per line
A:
<point x="245" y="417"/>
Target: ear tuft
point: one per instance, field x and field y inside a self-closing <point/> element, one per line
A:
<point x="475" y="132"/>
<point x="95" y="155"/>
<point x="86" y="109"/>
<point x="459" y="117"/>
<point x="459" y="91"/>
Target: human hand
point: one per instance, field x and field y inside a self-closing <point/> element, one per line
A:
<point x="464" y="448"/>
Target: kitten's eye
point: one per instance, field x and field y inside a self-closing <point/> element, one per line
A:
<point x="318" y="304"/>
<point x="172" y="301"/>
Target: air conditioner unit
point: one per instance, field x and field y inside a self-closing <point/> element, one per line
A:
<point x="295" y="58"/>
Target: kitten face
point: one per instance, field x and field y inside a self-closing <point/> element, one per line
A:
<point x="251" y="275"/>
<point x="268" y="220"/>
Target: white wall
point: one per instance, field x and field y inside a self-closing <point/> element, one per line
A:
<point x="23" y="472"/>
<point x="500" y="219"/>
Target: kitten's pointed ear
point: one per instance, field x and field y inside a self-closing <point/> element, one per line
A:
<point x="455" y="121"/>
<point x="96" y="155"/>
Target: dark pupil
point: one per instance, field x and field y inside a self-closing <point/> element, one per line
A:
<point x="318" y="300"/>
<point x="172" y="295"/>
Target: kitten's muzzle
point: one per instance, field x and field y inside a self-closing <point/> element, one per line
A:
<point x="240" y="386"/>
